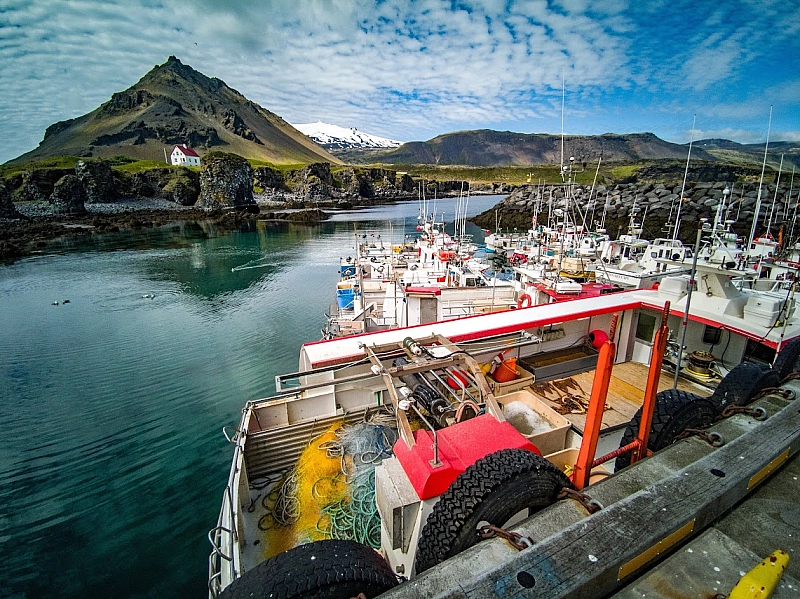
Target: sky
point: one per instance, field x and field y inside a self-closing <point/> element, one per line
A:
<point x="413" y="69"/>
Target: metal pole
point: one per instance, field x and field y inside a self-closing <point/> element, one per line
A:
<point x="688" y="301"/>
<point x="683" y="188"/>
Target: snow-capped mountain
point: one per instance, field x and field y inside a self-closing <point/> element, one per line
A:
<point x="333" y="137"/>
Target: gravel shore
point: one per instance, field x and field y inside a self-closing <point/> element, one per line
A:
<point x="44" y="209"/>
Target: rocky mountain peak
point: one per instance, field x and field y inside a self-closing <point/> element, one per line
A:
<point x="176" y="104"/>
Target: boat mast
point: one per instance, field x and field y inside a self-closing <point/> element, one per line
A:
<point x="760" y="184"/>
<point x="775" y="197"/>
<point x="562" y="125"/>
<point x="794" y="214"/>
<point x="685" y="175"/>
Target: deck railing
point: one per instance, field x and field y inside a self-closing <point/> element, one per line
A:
<point x="223" y="562"/>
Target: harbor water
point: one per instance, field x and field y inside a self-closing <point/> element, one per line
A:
<point x="123" y="357"/>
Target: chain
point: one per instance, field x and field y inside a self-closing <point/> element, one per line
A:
<point x="591" y="505"/>
<point x="713" y="438"/>
<point x="516" y="540"/>
<point x="758" y="412"/>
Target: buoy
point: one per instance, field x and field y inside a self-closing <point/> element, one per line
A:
<point x="760" y="582"/>
<point x="597" y="338"/>
<point x="524" y="301"/>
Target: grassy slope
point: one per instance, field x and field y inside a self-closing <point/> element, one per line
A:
<point x="204" y="102"/>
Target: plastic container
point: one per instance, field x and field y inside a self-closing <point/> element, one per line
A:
<point x="549" y="438"/>
<point x="507" y="371"/>
<point x="345" y="298"/>
<point x="522" y="380"/>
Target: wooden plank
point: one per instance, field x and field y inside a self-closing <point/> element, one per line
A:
<point x="625" y="393"/>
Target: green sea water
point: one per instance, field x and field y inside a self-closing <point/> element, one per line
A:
<point x="112" y="459"/>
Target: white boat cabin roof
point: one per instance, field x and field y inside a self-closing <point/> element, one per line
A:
<point x="347" y="349"/>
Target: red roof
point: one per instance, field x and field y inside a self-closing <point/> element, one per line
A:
<point x="188" y="151"/>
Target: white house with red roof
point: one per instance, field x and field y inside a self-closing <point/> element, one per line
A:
<point x="184" y="156"/>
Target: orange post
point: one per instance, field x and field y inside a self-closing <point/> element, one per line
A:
<point x="650" y="392"/>
<point x="594" y="415"/>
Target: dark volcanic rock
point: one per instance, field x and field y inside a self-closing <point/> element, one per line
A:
<point x="307" y="216"/>
<point x="226" y="181"/>
<point x="268" y="178"/>
<point x="176" y="184"/>
<point x="69" y="196"/>
<point x="36" y="185"/>
<point x="98" y="179"/>
<point x="7" y="209"/>
<point x="183" y="187"/>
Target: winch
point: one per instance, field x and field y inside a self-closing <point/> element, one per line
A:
<point x="700" y="363"/>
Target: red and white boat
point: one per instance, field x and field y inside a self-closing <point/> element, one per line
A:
<point x="402" y="447"/>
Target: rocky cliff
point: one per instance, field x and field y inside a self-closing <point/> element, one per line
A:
<point x="7" y="208"/>
<point x="226" y="181"/>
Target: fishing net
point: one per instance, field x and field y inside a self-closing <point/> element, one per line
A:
<point x="330" y="492"/>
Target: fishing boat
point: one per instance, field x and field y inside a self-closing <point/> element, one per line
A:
<point x="382" y="463"/>
<point x="431" y="279"/>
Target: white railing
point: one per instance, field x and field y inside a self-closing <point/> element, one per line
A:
<point x="223" y="562"/>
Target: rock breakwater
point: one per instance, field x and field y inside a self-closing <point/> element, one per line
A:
<point x="656" y="203"/>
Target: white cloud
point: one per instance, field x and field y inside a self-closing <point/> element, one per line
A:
<point x="402" y="70"/>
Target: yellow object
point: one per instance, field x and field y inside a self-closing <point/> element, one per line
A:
<point x="760" y="582"/>
<point x="486" y="368"/>
<point x="320" y="482"/>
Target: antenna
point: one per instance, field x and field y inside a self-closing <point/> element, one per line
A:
<point x="562" y="124"/>
<point x="685" y="175"/>
<point x="760" y="184"/>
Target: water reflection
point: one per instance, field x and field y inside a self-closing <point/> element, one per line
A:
<point x="112" y="463"/>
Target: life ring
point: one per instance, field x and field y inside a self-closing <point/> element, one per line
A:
<point x="524" y="301"/>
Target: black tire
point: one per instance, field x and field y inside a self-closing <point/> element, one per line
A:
<point x="788" y="360"/>
<point x="492" y="490"/>
<point x="742" y="384"/>
<point x="675" y="411"/>
<point x="332" y="569"/>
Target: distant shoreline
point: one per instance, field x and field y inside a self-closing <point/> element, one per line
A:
<point x="33" y="234"/>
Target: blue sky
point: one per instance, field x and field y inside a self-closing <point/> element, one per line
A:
<point x="410" y="70"/>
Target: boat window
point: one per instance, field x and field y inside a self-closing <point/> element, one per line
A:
<point x="646" y="327"/>
<point x="712" y="335"/>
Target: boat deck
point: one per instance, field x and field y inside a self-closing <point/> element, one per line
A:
<point x="625" y="393"/>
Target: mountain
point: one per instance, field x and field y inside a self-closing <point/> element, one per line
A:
<point x="175" y="104"/>
<point x="334" y="137"/>
<point x="505" y="148"/>
<point x="731" y="151"/>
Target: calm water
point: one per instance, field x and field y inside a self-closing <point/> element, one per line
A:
<point x="112" y="461"/>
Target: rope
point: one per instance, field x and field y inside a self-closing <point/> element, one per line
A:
<point x="346" y="499"/>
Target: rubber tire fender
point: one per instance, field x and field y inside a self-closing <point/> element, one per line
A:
<point x="742" y="383"/>
<point x="675" y="411"/>
<point x="330" y="569"/>
<point x="492" y="490"/>
<point x="788" y="360"/>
